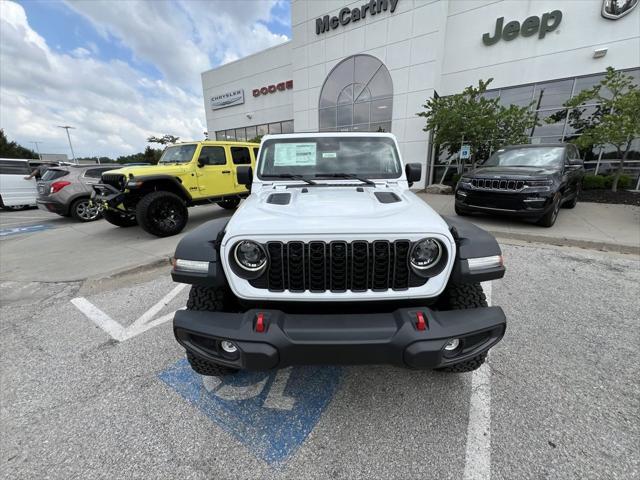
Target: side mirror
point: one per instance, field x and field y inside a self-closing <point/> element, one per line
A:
<point x="413" y="172"/>
<point x="244" y="174"/>
<point x="200" y="163"/>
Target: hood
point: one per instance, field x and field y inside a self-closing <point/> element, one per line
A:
<point x="512" y="171"/>
<point x="142" y="170"/>
<point x="334" y="211"/>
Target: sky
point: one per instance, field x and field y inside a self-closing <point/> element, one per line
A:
<point x="121" y="70"/>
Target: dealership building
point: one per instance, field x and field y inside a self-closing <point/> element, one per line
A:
<point x="370" y="66"/>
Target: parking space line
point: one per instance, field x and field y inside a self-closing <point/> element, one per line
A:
<point x="101" y="319"/>
<point x="477" y="462"/>
<point x="153" y="311"/>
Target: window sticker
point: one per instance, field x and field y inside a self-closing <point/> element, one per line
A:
<point x="294" y="154"/>
<point x="329" y="155"/>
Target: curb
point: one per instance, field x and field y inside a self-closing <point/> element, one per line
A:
<point x="568" y="242"/>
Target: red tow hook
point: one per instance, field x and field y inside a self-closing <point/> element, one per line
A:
<point x="421" y="323"/>
<point x="260" y="326"/>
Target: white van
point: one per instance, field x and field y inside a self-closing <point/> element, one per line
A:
<point x="15" y="191"/>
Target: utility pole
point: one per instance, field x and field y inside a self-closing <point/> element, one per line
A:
<point x="67" y="127"/>
<point x="38" y="149"/>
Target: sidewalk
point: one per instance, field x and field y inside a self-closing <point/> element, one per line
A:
<point x="591" y="225"/>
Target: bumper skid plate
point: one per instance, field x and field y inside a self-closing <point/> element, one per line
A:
<point x="381" y="338"/>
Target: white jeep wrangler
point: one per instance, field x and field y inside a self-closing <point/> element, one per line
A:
<point x="333" y="260"/>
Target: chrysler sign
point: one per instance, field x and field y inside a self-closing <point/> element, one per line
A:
<point x="229" y="99"/>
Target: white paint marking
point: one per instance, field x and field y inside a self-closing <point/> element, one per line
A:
<point x="210" y="382"/>
<point x="477" y="462"/>
<point x="235" y="393"/>
<point x="153" y="311"/>
<point x="141" y="325"/>
<point x="101" y="319"/>
<point x="276" y="398"/>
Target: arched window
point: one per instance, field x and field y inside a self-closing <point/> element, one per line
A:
<point x="357" y="96"/>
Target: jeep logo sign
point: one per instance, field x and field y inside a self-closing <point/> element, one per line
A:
<point x="279" y="87"/>
<point x="347" y="15"/>
<point x="532" y="25"/>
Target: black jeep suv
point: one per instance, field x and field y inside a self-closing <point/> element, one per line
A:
<point x="531" y="181"/>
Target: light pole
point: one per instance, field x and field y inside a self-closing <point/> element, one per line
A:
<point x="38" y="149"/>
<point x="67" y="127"/>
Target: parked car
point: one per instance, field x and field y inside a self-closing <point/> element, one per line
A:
<point x="66" y="190"/>
<point x="157" y="196"/>
<point x="15" y="191"/>
<point x="333" y="260"/>
<point x="529" y="181"/>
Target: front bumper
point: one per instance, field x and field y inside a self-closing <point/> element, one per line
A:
<point x="519" y="204"/>
<point x="382" y="338"/>
<point x="107" y="196"/>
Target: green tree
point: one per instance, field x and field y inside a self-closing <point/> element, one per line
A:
<point x="472" y="118"/>
<point x="152" y="155"/>
<point x="164" y="140"/>
<point x="614" y="121"/>
<point x="13" y="150"/>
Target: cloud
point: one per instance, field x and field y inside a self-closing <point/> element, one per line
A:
<point x="114" y="105"/>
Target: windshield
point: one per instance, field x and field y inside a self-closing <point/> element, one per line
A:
<point x="178" y="154"/>
<point x="527" y="157"/>
<point x="337" y="157"/>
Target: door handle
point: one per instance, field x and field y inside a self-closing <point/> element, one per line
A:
<point x="226" y="171"/>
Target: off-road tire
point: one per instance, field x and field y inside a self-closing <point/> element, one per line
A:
<point x="229" y="203"/>
<point x="460" y="296"/>
<point x="78" y="214"/>
<point x="549" y="218"/>
<point x="119" y="219"/>
<point x="152" y="205"/>
<point x="209" y="369"/>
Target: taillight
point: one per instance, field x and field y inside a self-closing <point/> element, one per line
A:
<point x="57" y="186"/>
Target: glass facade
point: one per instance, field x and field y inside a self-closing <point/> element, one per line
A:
<point x="248" y="133"/>
<point x="357" y="96"/>
<point x="546" y="99"/>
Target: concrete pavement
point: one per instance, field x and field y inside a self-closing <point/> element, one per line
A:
<point x="590" y="225"/>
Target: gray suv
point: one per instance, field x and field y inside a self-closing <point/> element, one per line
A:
<point x="66" y="190"/>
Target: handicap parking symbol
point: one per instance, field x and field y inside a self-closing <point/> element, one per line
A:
<point x="272" y="413"/>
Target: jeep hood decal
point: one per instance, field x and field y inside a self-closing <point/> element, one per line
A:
<point x="336" y="210"/>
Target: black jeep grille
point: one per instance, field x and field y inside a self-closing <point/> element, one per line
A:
<point x="114" y="179"/>
<point x="338" y="267"/>
<point x="497" y="184"/>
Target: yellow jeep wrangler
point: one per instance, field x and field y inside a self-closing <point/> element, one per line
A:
<point x="157" y="196"/>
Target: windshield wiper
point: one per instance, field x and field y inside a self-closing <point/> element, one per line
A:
<point x="292" y="177"/>
<point x="349" y="176"/>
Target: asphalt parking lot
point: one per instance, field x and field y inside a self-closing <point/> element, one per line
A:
<point x="94" y="386"/>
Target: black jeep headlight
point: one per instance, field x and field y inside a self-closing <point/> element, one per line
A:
<point x="250" y="256"/>
<point x="425" y="254"/>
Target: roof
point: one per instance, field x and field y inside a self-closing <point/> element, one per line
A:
<point x="330" y="134"/>
<point x="534" y="145"/>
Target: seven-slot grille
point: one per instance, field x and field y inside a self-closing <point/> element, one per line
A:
<point x="338" y="266"/>
<point x="497" y="184"/>
<point x="114" y="179"/>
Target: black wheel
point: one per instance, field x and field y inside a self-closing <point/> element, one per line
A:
<point x="84" y="211"/>
<point x="572" y="203"/>
<point x="229" y="203"/>
<point x="119" y="219"/>
<point x="460" y="211"/>
<point x="210" y="369"/>
<point x="460" y="296"/>
<point x="549" y="218"/>
<point x="162" y="214"/>
<point x="212" y="300"/>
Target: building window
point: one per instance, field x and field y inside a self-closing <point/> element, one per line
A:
<point x="357" y="96"/>
<point x="246" y="134"/>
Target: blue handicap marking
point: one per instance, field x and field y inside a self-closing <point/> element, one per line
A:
<point x="270" y="412"/>
<point x="28" y="229"/>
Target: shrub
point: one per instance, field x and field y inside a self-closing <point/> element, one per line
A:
<point x="623" y="183"/>
<point x="593" y="182"/>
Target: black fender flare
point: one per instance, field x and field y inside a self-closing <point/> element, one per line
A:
<point x="203" y="244"/>
<point x="472" y="242"/>
<point x="164" y="178"/>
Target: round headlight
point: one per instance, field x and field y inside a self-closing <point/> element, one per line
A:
<point x="425" y="254"/>
<point x="250" y="255"/>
